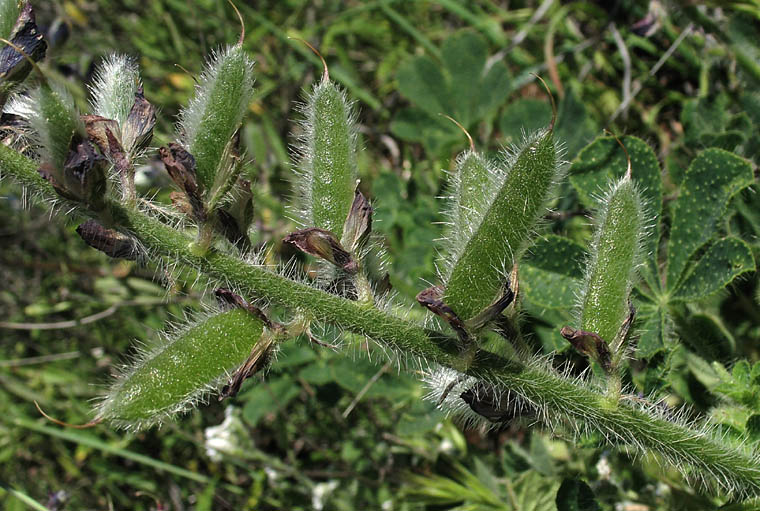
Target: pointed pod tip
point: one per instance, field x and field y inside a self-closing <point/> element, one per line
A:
<point x="551" y="97"/>
<point x="242" y="24"/>
<point x="629" y="167"/>
<point x="467" y="134"/>
<point x="86" y="425"/>
<point x="325" y="73"/>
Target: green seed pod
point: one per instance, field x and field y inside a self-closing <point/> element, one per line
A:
<point x="174" y="376"/>
<point x="502" y="227"/>
<point x="51" y="114"/>
<point x="328" y="158"/>
<point x="472" y="186"/>
<point x="613" y="261"/>
<point x="9" y="11"/>
<point x="113" y="90"/>
<point x="214" y="114"/>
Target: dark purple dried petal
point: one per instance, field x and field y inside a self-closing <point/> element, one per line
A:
<point x="228" y="297"/>
<point x="483" y="400"/>
<point x="84" y="176"/>
<point x="432" y="299"/>
<point x="494" y="310"/>
<point x="180" y="165"/>
<point x="138" y="130"/>
<point x="323" y="244"/>
<point x="111" y="242"/>
<point x="358" y="224"/>
<point x="14" y="67"/>
<point x="590" y="345"/>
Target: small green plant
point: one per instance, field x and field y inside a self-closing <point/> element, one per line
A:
<point x="493" y="263"/>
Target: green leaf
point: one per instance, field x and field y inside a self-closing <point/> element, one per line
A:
<point x="416" y="125"/>
<point x="268" y="397"/>
<point x="721" y="264"/>
<point x="575" y="495"/>
<point x="654" y="331"/>
<point x="422" y="82"/>
<point x="521" y="117"/>
<point x="708" y="122"/>
<point x="711" y="180"/>
<point x="550" y="276"/>
<point x="753" y="427"/>
<point x="464" y="56"/>
<point x="706" y="334"/>
<point x="575" y="127"/>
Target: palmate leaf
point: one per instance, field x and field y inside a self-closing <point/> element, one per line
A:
<point x="551" y="274"/>
<point x="708" y="122"/>
<point x="523" y="116"/>
<point x="711" y="180"/>
<point x="653" y="330"/>
<point x="721" y="264"/>
<point x="575" y="126"/>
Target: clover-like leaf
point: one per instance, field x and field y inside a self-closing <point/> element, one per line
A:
<point x="721" y="264"/>
<point x="462" y="86"/>
<point x="710" y="181"/>
<point x="523" y="116"/>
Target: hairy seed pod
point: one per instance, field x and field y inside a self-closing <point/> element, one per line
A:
<point x="51" y="114"/>
<point x="215" y="112"/>
<point x="472" y="185"/>
<point x="174" y="376"/>
<point x="113" y="91"/>
<point x="613" y="261"/>
<point x="9" y="11"/>
<point x="483" y="260"/>
<point x="328" y="162"/>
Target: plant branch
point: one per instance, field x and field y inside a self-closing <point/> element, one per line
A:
<point x="558" y="400"/>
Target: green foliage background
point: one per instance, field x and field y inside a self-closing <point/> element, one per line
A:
<point x="351" y="433"/>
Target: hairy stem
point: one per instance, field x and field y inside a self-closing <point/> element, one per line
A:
<point x="559" y="400"/>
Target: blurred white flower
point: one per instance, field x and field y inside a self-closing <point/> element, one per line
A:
<point x="230" y="437"/>
<point x="320" y="492"/>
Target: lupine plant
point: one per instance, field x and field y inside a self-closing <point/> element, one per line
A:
<point x="475" y="359"/>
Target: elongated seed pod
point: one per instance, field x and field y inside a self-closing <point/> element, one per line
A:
<point x="9" y="11"/>
<point x="51" y="114"/>
<point x="328" y="158"/>
<point x="113" y="90"/>
<point x="173" y="377"/>
<point x="479" y="268"/>
<point x="472" y="186"/>
<point x="613" y="260"/>
<point x="215" y="112"/>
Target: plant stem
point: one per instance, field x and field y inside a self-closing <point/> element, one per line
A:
<point x="559" y="400"/>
